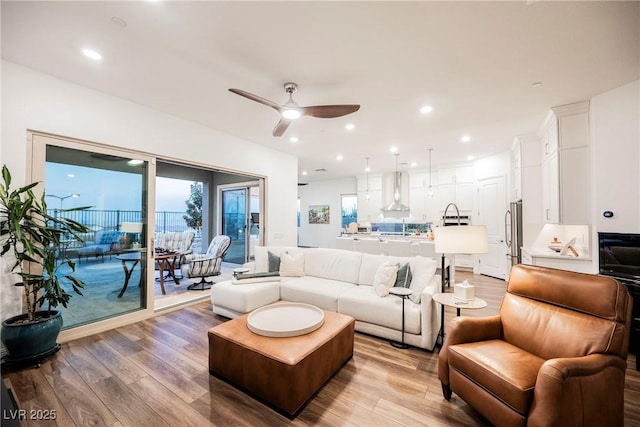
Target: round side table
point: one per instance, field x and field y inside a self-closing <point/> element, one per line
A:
<point x="404" y="294"/>
<point x="451" y="301"/>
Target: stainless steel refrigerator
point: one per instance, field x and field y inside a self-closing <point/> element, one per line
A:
<point x="513" y="232"/>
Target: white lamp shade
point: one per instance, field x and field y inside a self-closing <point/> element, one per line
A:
<point x="462" y="239"/>
<point x="131" y="227"/>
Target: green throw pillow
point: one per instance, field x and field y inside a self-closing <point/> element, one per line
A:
<point x="274" y="262"/>
<point x="403" y="279"/>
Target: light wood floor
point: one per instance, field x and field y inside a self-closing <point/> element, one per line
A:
<point x="155" y="373"/>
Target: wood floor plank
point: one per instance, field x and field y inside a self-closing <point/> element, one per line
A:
<point x="226" y="405"/>
<point x="120" y="342"/>
<point x="163" y="401"/>
<point x="85" y="363"/>
<point x="82" y="404"/>
<point x="182" y="385"/>
<point x="121" y="366"/>
<point x="47" y="410"/>
<point x="155" y="373"/>
<point x="125" y="404"/>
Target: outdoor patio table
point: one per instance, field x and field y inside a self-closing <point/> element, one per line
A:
<point x="167" y="260"/>
<point x="134" y="259"/>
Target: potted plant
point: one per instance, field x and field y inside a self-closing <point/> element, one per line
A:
<point x="30" y="239"/>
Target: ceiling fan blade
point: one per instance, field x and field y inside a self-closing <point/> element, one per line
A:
<point x="257" y="99"/>
<point x="329" y="111"/>
<point x="282" y="125"/>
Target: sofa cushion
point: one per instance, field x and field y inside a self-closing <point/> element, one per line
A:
<point x="322" y="293"/>
<point x="504" y="370"/>
<point x="385" y="278"/>
<point x="274" y="262"/>
<point x="362" y="303"/>
<point x="403" y="278"/>
<point x="244" y="298"/>
<point x="331" y="264"/>
<point x="422" y="272"/>
<point x="291" y="265"/>
<point x="262" y="255"/>
<point x="370" y="264"/>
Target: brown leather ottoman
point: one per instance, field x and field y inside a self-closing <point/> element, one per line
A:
<point x="283" y="372"/>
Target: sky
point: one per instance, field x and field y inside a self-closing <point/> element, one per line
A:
<point x="109" y="190"/>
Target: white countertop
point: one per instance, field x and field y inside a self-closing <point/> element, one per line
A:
<point x="548" y="253"/>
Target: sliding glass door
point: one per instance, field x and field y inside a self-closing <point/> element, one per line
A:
<point x="240" y="213"/>
<point x="112" y="257"/>
<point x="234" y="223"/>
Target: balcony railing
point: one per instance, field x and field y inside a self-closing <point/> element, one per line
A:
<point x="97" y="220"/>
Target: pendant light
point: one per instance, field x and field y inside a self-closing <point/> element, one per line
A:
<point x="430" y="193"/>
<point x="366" y="169"/>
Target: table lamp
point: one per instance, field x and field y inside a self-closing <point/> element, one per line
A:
<point x="460" y="239"/>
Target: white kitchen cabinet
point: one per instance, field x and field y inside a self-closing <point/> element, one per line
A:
<point x="369" y="207"/>
<point x="456" y="185"/>
<point x="423" y="206"/>
<point x="525" y="164"/>
<point x="549" y="136"/>
<point x="550" y="170"/>
<point x="551" y="189"/>
<point x="566" y="170"/>
<point x="575" y="164"/>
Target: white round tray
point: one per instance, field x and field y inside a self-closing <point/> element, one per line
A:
<point x="285" y="319"/>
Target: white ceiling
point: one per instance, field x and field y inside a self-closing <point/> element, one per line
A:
<point x="474" y="62"/>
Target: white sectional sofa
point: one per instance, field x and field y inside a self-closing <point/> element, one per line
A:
<point x="340" y="281"/>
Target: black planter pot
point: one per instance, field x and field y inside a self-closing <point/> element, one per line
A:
<point x="31" y="342"/>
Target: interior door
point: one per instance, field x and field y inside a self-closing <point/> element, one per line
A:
<point x="491" y="208"/>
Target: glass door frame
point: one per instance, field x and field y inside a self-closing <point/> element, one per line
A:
<point x="36" y="160"/>
<point x="247" y="185"/>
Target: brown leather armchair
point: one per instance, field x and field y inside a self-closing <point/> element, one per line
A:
<point x="554" y="356"/>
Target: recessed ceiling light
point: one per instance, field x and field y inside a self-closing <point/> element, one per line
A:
<point x="339" y="157"/>
<point x="293" y="139"/>
<point x="426" y="109"/>
<point x="536" y="84"/>
<point x="414" y="164"/>
<point x="465" y="138"/>
<point x="304" y="172"/>
<point x="92" y="54"/>
<point x="470" y="157"/>
<point x="350" y="126"/>
<point x="393" y="149"/>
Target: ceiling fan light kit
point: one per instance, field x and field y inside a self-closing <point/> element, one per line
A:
<point x="291" y="111"/>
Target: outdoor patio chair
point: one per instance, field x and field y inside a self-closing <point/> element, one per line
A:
<point x="179" y="242"/>
<point x="106" y="243"/>
<point x="207" y="264"/>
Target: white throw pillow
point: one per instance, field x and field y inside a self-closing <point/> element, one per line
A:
<point x="291" y="265"/>
<point x="385" y="278"/>
<point x="422" y="271"/>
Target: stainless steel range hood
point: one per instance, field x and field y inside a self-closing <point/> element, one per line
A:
<point x="396" y="205"/>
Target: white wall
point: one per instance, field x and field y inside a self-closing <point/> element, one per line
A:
<point x="36" y="101"/>
<point x="615" y="137"/>
<point x="322" y="193"/>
